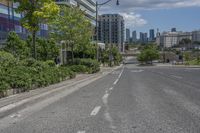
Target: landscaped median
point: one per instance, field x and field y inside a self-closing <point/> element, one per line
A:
<point x="23" y="75"/>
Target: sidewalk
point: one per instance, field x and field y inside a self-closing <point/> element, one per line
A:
<point x="11" y="104"/>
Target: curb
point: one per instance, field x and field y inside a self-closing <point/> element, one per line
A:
<point x="19" y="105"/>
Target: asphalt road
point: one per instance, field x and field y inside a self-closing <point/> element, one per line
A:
<point x="129" y="100"/>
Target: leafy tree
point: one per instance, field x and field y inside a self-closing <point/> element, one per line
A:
<point x="47" y="49"/>
<point x="16" y="46"/>
<point x="71" y="27"/>
<point x="148" y="54"/>
<point x="36" y="12"/>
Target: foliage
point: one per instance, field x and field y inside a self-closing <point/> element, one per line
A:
<point x="79" y="68"/>
<point x="72" y="28"/>
<point x="17" y="46"/>
<point x="91" y="64"/>
<point x="117" y="57"/>
<point x="36" y="12"/>
<point x="6" y="59"/>
<point x="148" y="54"/>
<point x="47" y="49"/>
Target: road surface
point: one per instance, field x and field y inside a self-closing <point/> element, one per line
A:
<point x="129" y="100"/>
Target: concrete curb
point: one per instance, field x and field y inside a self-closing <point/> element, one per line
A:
<point x="23" y="103"/>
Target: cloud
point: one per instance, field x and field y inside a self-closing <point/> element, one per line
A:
<point x="133" y="20"/>
<point x="154" y="4"/>
<point x="128" y="8"/>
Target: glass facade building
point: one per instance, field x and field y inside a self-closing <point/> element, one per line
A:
<point x="10" y="21"/>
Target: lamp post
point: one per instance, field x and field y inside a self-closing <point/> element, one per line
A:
<point x="97" y="28"/>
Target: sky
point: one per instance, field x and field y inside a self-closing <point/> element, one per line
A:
<point x="142" y="15"/>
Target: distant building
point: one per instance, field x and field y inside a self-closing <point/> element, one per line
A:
<point x="111" y="30"/>
<point x="143" y="37"/>
<point x="134" y="36"/>
<point x="173" y="30"/>
<point x="128" y="35"/>
<point x="151" y="35"/>
<point x="171" y="39"/>
<point x="196" y="36"/>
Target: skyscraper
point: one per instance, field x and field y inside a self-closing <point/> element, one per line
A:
<point x="134" y="36"/>
<point x="111" y="30"/>
<point x="173" y="30"/>
<point x="128" y="36"/>
<point x="143" y="37"/>
<point x="151" y="35"/>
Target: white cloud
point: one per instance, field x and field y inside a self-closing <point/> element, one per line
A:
<point x="133" y="20"/>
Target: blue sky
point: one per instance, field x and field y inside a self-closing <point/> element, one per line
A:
<point x="142" y="15"/>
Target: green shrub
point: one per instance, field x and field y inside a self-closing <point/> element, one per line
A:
<point x="6" y="59"/>
<point x="50" y="63"/>
<point x="79" y="68"/>
<point x="92" y="65"/>
<point x="20" y="77"/>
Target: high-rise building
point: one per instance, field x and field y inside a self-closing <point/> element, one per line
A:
<point x="128" y="35"/>
<point x="89" y="6"/>
<point x="143" y="37"/>
<point x="151" y="35"/>
<point x="134" y="36"/>
<point x="173" y="30"/>
<point x="111" y="30"/>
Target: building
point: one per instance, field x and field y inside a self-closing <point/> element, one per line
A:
<point x="143" y="37"/>
<point x="151" y="35"/>
<point x="10" y="21"/>
<point x="196" y="36"/>
<point x="89" y="6"/>
<point x="134" y="36"/>
<point x="173" y="30"/>
<point x="111" y="30"/>
<point x="128" y="35"/>
<point x="171" y="39"/>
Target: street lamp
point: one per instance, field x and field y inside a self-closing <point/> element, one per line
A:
<point x="97" y="29"/>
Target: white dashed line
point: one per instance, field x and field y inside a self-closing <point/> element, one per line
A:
<point x="116" y="81"/>
<point x="95" y="111"/>
<point x="178" y="77"/>
<point x="105" y="96"/>
<point x="81" y="132"/>
<point x="111" y="89"/>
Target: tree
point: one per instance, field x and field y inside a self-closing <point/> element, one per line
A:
<point x="148" y="54"/>
<point x="16" y="46"/>
<point x="47" y="49"/>
<point x="36" y="12"/>
<point x="71" y="27"/>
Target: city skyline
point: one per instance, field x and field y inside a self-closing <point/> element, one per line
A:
<point x="143" y="15"/>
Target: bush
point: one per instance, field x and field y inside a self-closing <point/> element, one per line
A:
<point x="20" y="78"/>
<point x="79" y="68"/>
<point x="92" y="65"/>
<point x="6" y="59"/>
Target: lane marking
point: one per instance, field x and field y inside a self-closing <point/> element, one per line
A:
<point x="137" y="71"/>
<point x="116" y="81"/>
<point x="105" y="96"/>
<point x="95" y="111"/>
<point x="178" y="77"/>
<point x="111" y="89"/>
<point x="81" y="132"/>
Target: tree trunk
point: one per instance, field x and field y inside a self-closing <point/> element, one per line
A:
<point x="34" y="44"/>
<point x="72" y="53"/>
